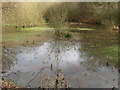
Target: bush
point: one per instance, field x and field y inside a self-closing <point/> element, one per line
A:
<point x="68" y="35"/>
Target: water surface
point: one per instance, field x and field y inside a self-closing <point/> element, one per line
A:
<point x="39" y="65"/>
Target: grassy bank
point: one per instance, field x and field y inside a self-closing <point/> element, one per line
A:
<point x="101" y="44"/>
<point x="109" y="53"/>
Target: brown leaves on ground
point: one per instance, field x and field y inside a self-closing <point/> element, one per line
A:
<point x="5" y="84"/>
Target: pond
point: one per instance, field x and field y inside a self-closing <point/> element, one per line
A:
<point x="41" y="60"/>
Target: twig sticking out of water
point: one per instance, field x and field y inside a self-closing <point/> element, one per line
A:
<point x="36" y="75"/>
<point x="58" y="82"/>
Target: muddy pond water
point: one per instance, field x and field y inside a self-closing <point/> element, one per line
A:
<point x="60" y="62"/>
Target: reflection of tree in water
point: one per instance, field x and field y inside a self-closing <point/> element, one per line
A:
<point x="54" y="51"/>
<point x="60" y="47"/>
<point x="59" y="81"/>
<point x="8" y="57"/>
<point x="50" y="74"/>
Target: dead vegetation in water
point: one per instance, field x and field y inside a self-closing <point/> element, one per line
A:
<point x="6" y="85"/>
<point x="58" y="82"/>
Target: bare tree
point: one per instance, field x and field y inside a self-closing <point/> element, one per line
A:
<point x="57" y="17"/>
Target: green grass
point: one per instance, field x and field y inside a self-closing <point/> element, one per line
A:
<point x="36" y="28"/>
<point x="82" y="29"/>
<point x="46" y="27"/>
<point x="24" y="34"/>
<point x="110" y="53"/>
<point x="9" y="24"/>
<point x="16" y="36"/>
<point x="20" y="36"/>
<point x="49" y="28"/>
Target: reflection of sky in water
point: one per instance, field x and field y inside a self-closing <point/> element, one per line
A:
<point x="46" y="52"/>
<point x="71" y="56"/>
<point x="32" y="59"/>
